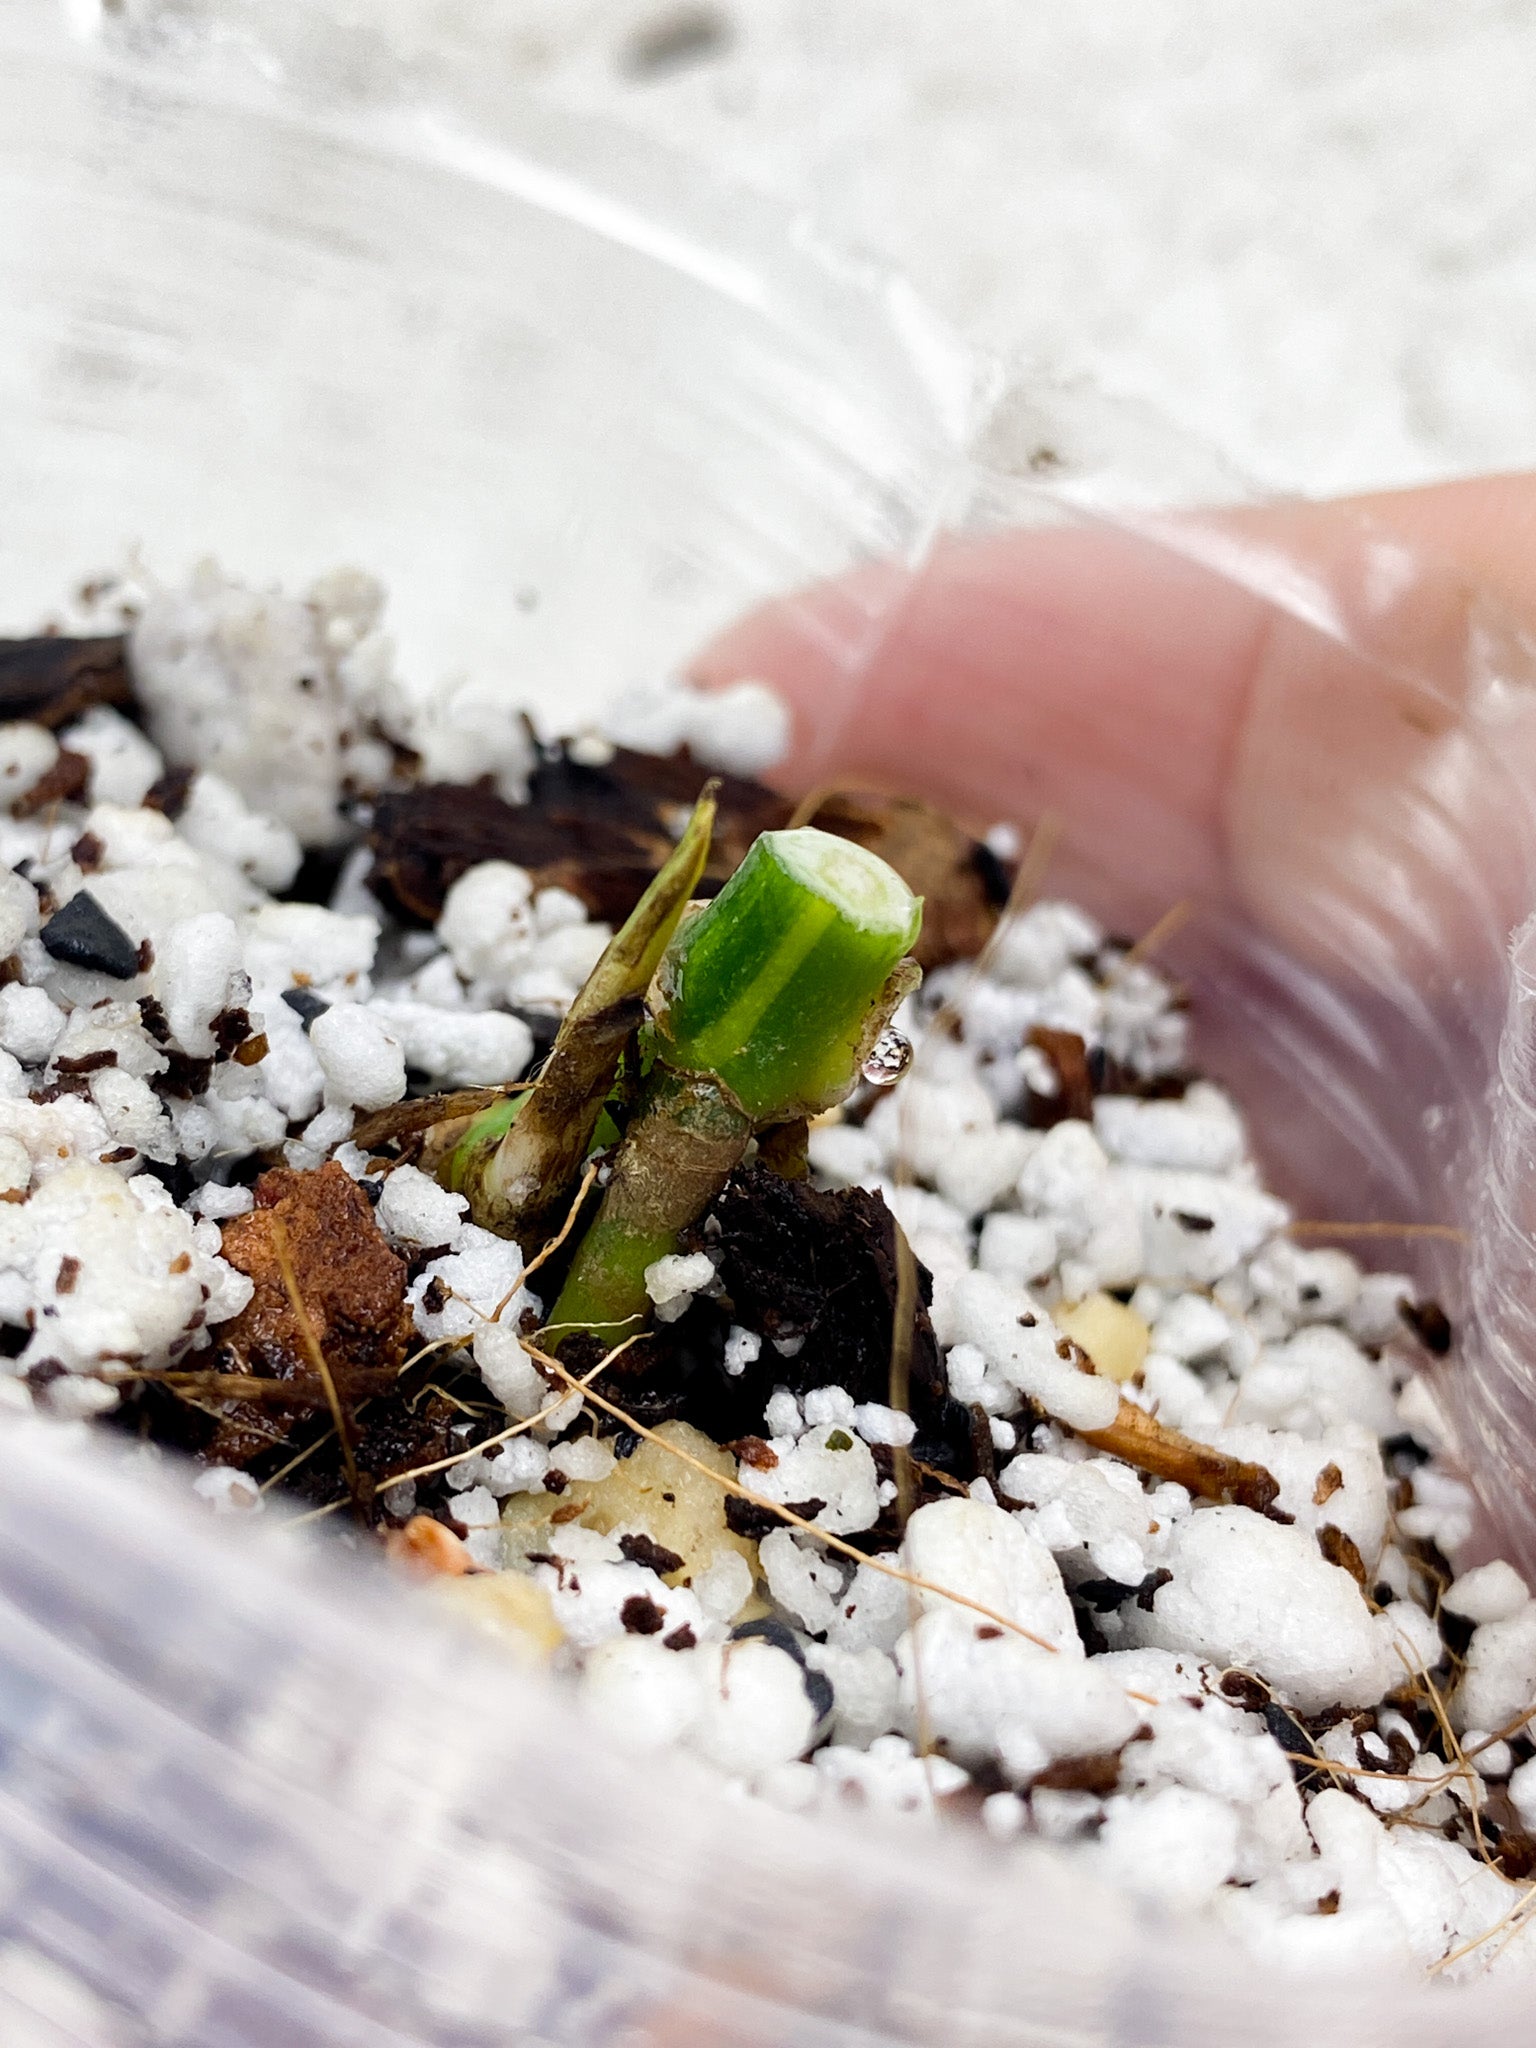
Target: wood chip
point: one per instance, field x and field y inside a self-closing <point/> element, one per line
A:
<point x="604" y="832"/>
<point x="1343" y="1551"/>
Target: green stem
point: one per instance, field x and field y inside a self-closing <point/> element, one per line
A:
<point x="684" y="1142"/>
<point x="769" y="999"/>
<point x="772" y="985"/>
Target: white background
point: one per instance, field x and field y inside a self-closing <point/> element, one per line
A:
<point x="1304" y="228"/>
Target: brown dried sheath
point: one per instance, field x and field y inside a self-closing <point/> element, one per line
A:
<point x="516" y="1182"/>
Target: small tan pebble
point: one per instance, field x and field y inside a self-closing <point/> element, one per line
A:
<point x="508" y="1605"/>
<point x="1329" y="1480"/>
<point x="1114" y="1336"/>
<point x="649" y="1492"/>
<point x="426" y="1546"/>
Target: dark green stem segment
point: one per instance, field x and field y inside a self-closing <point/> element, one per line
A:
<point x="767" y="1002"/>
<point x="682" y="1145"/>
<point x="518" y="1162"/>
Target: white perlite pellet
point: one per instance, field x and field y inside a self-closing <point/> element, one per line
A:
<point x="1489" y="1592"/>
<point x="413" y="1210"/>
<point x="27" y="752"/>
<point x="363" y="1066"/>
<point x="744" y="729"/>
<point x="270" y="691"/>
<point x="742" y="1348"/>
<point x="229" y="1492"/>
<point x="1252" y="1593"/>
<point x="672" y="1283"/>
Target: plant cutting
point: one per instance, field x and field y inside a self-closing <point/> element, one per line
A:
<point x="767" y="1006"/>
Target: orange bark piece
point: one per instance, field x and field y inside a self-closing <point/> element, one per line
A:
<point x="351" y="1284"/>
<point x="426" y="1547"/>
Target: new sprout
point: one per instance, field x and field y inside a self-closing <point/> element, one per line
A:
<point x="766" y="1004"/>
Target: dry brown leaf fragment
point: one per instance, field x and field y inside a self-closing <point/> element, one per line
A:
<point x="1329" y="1480"/>
<point x="352" y="1287"/>
<point x="1068" y="1055"/>
<point x="603" y="832"/>
<point x="1342" y="1550"/>
<point x="416" y="1114"/>
<point x="1098" y="1773"/>
<point x="65" y="783"/>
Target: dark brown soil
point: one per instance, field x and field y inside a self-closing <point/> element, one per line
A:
<point x="817" y="1272"/>
<point x="53" y="680"/>
<point x="603" y="832"/>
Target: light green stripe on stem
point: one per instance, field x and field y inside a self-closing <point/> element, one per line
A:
<point x="771" y="985"/>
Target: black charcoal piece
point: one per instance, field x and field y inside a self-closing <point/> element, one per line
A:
<point x="308" y="1005"/>
<point x="1103" y="1595"/>
<point x="818" y="1687"/>
<point x="773" y="1631"/>
<point x="818" y="1690"/>
<point x="82" y="935"/>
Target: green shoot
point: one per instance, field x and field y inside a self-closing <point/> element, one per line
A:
<point x="770" y="987"/>
<point x="768" y="1000"/>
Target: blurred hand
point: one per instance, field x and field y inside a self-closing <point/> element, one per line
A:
<point x="1174" y="697"/>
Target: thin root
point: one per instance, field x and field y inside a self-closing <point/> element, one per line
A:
<point x="1311" y="1227"/>
<point x="517" y="1428"/>
<point x="1173" y="919"/>
<point x="1152" y="1446"/>
<point x="316" y="1355"/>
<point x="556" y="1241"/>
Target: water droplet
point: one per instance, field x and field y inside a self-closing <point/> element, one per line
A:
<point x="888" y="1060"/>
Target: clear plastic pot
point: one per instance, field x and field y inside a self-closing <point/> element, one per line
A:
<point x="272" y="291"/>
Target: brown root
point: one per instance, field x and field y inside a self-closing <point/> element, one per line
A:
<point x="1151" y="1446"/>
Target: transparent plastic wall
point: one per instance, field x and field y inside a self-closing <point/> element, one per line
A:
<point x="273" y="290"/>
